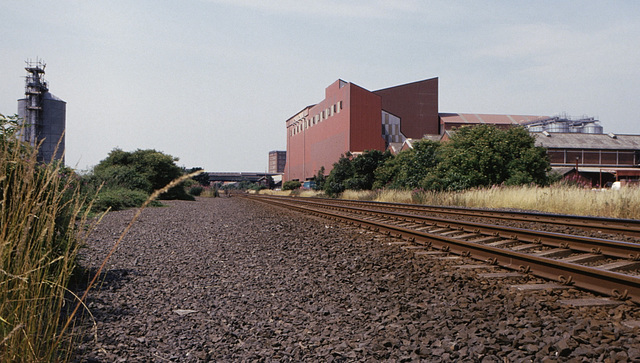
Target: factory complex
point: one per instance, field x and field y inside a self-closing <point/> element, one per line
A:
<point x="354" y="119"/>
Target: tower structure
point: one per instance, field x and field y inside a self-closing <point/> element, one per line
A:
<point x="34" y="90"/>
<point x="43" y="114"/>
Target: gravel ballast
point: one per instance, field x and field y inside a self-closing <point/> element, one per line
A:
<point x="229" y="279"/>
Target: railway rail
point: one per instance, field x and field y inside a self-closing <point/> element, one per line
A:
<point x="627" y="227"/>
<point x="603" y="266"/>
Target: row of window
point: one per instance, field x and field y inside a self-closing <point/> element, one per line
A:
<point x="593" y="157"/>
<point x="308" y="122"/>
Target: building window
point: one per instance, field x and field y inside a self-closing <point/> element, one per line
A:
<point x="592" y="157"/>
<point x="625" y="157"/>
<point x="556" y="156"/>
<point x="573" y="156"/>
<point x="609" y="158"/>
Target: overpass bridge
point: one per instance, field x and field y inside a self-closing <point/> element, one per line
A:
<point x="239" y="176"/>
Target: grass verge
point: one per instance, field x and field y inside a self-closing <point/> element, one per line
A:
<point x="623" y="203"/>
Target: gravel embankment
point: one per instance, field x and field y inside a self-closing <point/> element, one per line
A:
<point x="228" y="279"/>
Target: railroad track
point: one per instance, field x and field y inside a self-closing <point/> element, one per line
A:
<point x="603" y="266"/>
<point x="626" y="227"/>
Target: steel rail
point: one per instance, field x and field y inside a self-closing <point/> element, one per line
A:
<point x="629" y="227"/>
<point x="606" y="247"/>
<point x="617" y="285"/>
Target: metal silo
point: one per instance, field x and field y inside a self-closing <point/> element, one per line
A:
<point x="558" y="127"/>
<point x="592" y="128"/>
<point x="576" y="129"/>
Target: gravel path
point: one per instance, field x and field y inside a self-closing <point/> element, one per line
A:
<point x="228" y="279"/>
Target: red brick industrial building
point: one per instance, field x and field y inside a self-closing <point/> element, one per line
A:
<point x="353" y="119"/>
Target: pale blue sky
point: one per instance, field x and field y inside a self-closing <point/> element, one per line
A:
<point x="213" y="81"/>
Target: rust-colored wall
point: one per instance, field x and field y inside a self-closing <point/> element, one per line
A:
<point x="416" y="104"/>
<point x="322" y="143"/>
<point x="366" y="121"/>
<point x="355" y="127"/>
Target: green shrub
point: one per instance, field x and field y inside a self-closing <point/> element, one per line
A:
<point x="291" y="185"/>
<point x="196" y="190"/>
<point x="143" y="171"/>
<point x="119" y="199"/>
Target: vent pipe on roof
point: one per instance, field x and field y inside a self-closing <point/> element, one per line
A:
<point x="612" y="135"/>
<point x="545" y="133"/>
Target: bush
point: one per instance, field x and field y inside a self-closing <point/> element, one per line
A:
<point x="196" y="190"/>
<point x="319" y="179"/>
<point x="142" y="171"/>
<point x="119" y="199"/>
<point x="407" y="169"/>
<point x="354" y="173"/>
<point x="291" y="185"/>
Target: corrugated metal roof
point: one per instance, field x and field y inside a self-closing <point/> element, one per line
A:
<point x="587" y="141"/>
<point x="480" y="118"/>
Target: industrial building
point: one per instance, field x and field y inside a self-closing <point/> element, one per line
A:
<point x="43" y="115"/>
<point x="353" y="119"/>
<point x="601" y="158"/>
<point x="277" y="161"/>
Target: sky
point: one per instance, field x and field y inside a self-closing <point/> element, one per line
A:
<point x="212" y="82"/>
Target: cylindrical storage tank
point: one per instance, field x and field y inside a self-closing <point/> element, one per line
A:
<point x="53" y="124"/>
<point x="558" y="127"/>
<point x="592" y="128"/>
<point x="576" y="129"/>
<point x="536" y="128"/>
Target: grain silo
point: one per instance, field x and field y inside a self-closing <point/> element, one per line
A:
<point x="43" y="115"/>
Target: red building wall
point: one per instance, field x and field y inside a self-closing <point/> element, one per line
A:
<point x="366" y="121"/>
<point x="348" y="119"/>
<point x="417" y="106"/>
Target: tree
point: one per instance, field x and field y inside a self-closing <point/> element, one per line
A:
<point x="364" y="167"/>
<point x="354" y="173"/>
<point x="291" y="185"/>
<point x="407" y="169"/>
<point x="342" y="170"/>
<point x="320" y="179"/>
<point x="145" y="170"/>
<point x="202" y="178"/>
<point x="485" y="155"/>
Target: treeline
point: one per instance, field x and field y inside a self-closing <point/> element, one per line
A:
<point x="478" y="156"/>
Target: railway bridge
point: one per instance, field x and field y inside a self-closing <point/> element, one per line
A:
<point x="239" y="176"/>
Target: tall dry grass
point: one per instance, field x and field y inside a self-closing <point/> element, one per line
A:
<point x="623" y="203"/>
<point x="286" y="193"/>
<point x="42" y="215"/>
